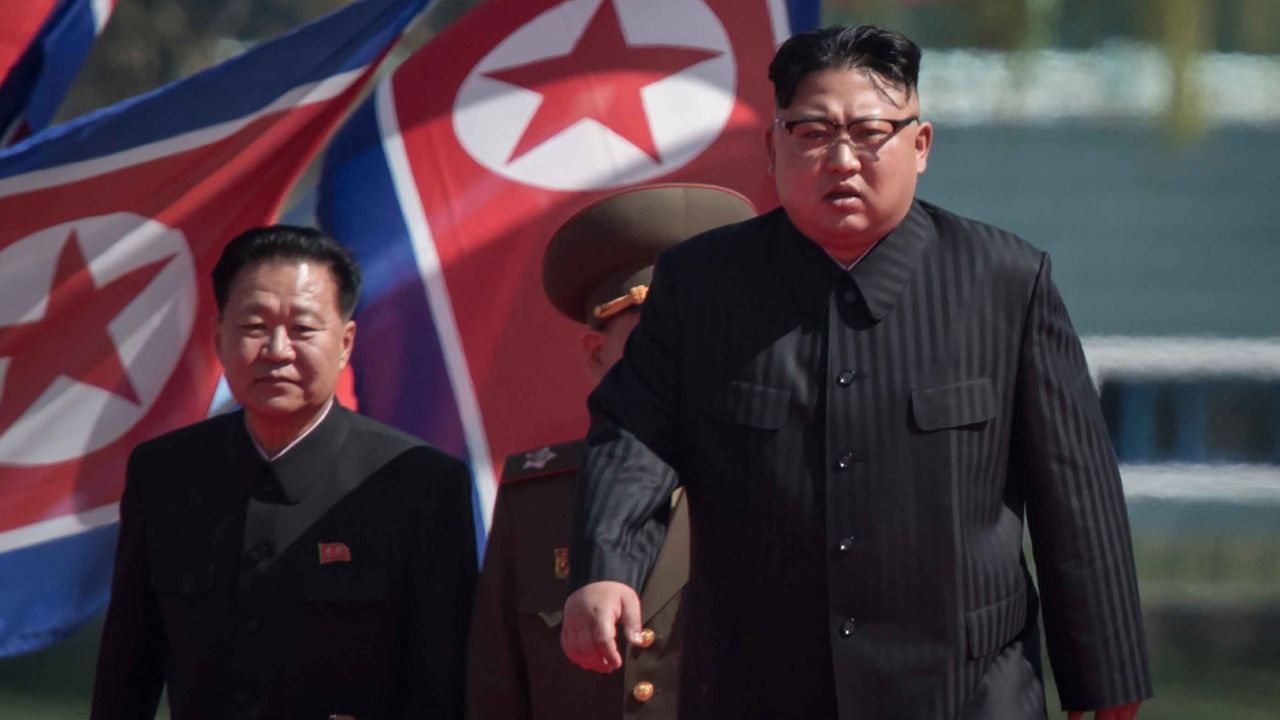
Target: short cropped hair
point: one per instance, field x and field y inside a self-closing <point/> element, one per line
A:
<point x="287" y="242"/>
<point x="890" y="56"/>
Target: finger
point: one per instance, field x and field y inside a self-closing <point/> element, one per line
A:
<point x="587" y="657"/>
<point x="632" y="619"/>
<point x="604" y="644"/>
<point x="577" y="644"/>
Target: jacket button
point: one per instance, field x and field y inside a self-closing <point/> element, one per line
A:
<point x="846" y="629"/>
<point x="845" y="461"/>
<point x="643" y="691"/>
<point x="846" y="378"/>
<point x="845" y="545"/>
<point x="251" y="623"/>
<point x="647" y="637"/>
<point x="849" y="296"/>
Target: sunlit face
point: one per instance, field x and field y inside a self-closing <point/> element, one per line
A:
<point x="282" y="340"/>
<point x="840" y="197"/>
<point x="603" y="347"/>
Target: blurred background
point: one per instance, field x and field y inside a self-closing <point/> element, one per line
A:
<point x="1135" y="140"/>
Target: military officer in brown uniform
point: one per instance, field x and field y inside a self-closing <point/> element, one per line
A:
<point x="596" y="271"/>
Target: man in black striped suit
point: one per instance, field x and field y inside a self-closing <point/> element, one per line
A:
<point x="864" y="395"/>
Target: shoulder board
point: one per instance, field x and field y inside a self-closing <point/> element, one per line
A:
<point x="544" y="461"/>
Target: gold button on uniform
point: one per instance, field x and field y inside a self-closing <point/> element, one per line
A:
<point x="642" y="691"/>
<point x="647" y="636"/>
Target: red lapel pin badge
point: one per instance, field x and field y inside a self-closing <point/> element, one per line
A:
<point x="334" y="552"/>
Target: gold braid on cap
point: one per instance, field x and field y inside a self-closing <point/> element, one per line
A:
<point x="635" y="296"/>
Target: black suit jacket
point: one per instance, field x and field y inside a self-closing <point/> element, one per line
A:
<point x="860" y="449"/>
<point x="334" y="580"/>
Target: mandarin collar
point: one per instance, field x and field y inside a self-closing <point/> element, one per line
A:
<point x="809" y="273"/>
<point x="289" y="478"/>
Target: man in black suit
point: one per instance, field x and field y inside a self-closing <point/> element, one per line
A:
<point x="293" y="559"/>
<point x="864" y="395"/>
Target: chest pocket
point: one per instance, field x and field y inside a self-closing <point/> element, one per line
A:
<point x="752" y="405"/>
<point x="951" y="406"/>
<point x="544" y="606"/>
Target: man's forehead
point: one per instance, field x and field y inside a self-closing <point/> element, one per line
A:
<point x="300" y="283"/>
<point x="857" y="90"/>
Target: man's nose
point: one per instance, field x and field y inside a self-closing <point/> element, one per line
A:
<point x="842" y="157"/>
<point x="279" y="347"/>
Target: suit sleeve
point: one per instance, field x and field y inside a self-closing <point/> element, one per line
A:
<point x="623" y="499"/>
<point x="134" y="650"/>
<point x="1076" y="515"/>
<point x="440" y="583"/>
<point x="496" y="674"/>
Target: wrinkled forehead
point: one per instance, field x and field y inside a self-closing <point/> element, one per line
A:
<point x="852" y="92"/>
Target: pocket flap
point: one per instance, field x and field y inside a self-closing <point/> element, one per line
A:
<point x="990" y="628"/>
<point x="552" y="618"/>
<point x="963" y="403"/>
<point x="754" y="405"/>
<point x="544" y="600"/>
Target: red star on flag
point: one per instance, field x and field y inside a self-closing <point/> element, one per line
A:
<point x="71" y="339"/>
<point x="599" y="79"/>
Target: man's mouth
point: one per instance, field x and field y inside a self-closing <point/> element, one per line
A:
<point x="841" y="197"/>
<point x="274" y="379"/>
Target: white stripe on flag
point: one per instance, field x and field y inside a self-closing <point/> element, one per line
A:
<point x="300" y="96"/>
<point x="101" y="12"/>
<point x="424" y="247"/>
<point x="781" y="21"/>
<point x="59" y="527"/>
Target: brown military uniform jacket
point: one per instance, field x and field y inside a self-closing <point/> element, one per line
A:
<point x="515" y="667"/>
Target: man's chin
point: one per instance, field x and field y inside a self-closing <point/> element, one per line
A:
<point x="276" y="408"/>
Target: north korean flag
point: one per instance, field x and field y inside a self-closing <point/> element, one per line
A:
<point x="450" y="180"/>
<point x="111" y="225"/>
<point x="43" y="43"/>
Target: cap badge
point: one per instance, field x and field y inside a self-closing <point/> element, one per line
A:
<point x="635" y="296"/>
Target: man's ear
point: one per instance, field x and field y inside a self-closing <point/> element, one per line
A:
<point x="348" y="343"/>
<point x="593" y="353"/>
<point x="924" y="141"/>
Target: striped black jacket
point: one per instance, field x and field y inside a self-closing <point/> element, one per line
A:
<point x="860" y="450"/>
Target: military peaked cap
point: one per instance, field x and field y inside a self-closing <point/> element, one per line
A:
<point x="600" y="261"/>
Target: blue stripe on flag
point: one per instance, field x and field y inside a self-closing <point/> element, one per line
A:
<point x="71" y="575"/>
<point x="260" y="76"/>
<point x="357" y="205"/>
<point x="803" y="14"/>
<point x="65" y="48"/>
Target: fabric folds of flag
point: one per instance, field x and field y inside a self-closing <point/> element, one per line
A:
<point x="449" y="181"/>
<point x="33" y="86"/>
<point x="112" y="224"/>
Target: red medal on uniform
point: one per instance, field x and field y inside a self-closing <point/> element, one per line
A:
<point x="562" y="563"/>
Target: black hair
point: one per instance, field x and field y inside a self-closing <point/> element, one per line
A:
<point x="287" y="242"/>
<point x="888" y="55"/>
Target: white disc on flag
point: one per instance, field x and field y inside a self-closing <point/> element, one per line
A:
<point x="684" y="111"/>
<point x="72" y="417"/>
